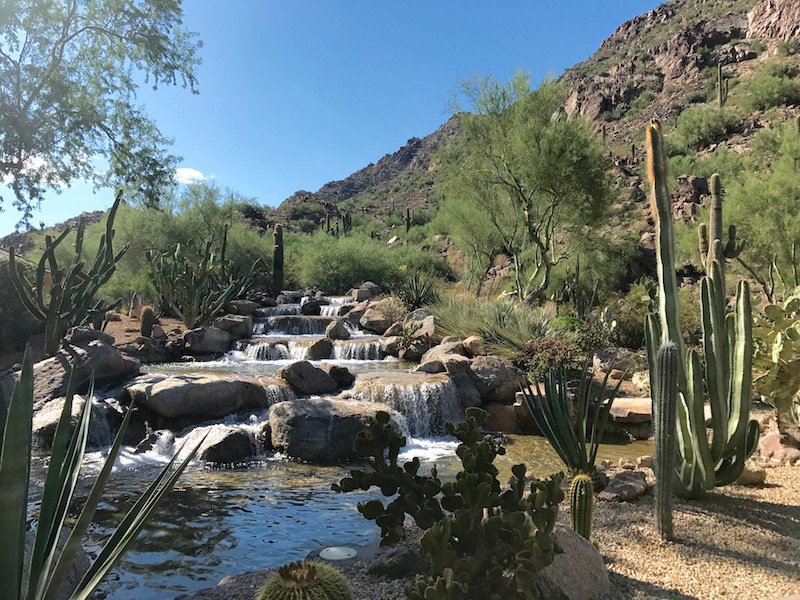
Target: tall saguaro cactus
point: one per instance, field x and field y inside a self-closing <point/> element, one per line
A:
<point x="665" y="406"/>
<point x="277" y="259"/>
<point x="722" y="87"/>
<point x="708" y="235"/>
<point x="73" y="288"/>
<point x="724" y="378"/>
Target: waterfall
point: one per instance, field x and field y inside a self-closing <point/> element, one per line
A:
<point x="297" y="325"/>
<point x="425" y="402"/>
<point x="268" y="351"/>
<point x="278" y="311"/>
<point x="278" y="393"/>
<point x="358" y="350"/>
<point x="330" y="310"/>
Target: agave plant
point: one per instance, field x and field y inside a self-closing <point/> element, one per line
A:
<point x="576" y="441"/>
<point x="417" y="290"/>
<point x="39" y="575"/>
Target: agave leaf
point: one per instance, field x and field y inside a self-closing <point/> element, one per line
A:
<point x="14" y="477"/>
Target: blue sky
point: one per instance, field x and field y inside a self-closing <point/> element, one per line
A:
<point x="294" y="94"/>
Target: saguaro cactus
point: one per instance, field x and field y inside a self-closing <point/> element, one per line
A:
<point x="581" y="498"/>
<point x="665" y="406"/>
<point x="72" y="288"/>
<point x="721" y="86"/>
<point x="408" y="219"/>
<point x="708" y="235"/>
<point x="277" y="259"/>
<point x="726" y="378"/>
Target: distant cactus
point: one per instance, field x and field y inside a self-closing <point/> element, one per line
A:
<point x="721" y="87"/>
<point x="408" y="219"/>
<point x="147" y="319"/>
<point x="708" y="235"/>
<point x="665" y="406"/>
<point x="277" y="259"/>
<point x="581" y="498"/>
<point x="306" y="581"/>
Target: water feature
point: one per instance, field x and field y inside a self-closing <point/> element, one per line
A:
<point x="220" y="522"/>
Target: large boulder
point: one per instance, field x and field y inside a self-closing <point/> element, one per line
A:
<point x="444" y="348"/>
<point x="196" y="398"/>
<point x="207" y="340"/>
<point x="148" y="350"/>
<point x="337" y="331"/>
<point x="306" y="379"/>
<point x="319" y="349"/>
<point x="624" y="487"/>
<point x="223" y="445"/>
<point x="496" y="378"/>
<point x="320" y="430"/>
<point x="311" y="307"/>
<point x="95" y="359"/>
<point x="341" y="375"/>
<point x="577" y="571"/>
<point x="240" y="327"/>
<point x="375" y="321"/>
<point x="242" y="307"/>
<point x="103" y="423"/>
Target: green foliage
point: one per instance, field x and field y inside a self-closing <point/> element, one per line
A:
<point x="197" y="287"/>
<point x="775" y="84"/>
<point x="726" y="379"/>
<point x="777" y="357"/>
<point x="73" y="288"/>
<point x="507" y="326"/>
<point x="69" y="94"/>
<point x="665" y="407"/>
<point x="46" y="566"/>
<point x="700" y="126"/>
<point x="581" y="499"/>
<point x="521" y="200"/>
<point x="788" y="47"/>
<point x="147" y="318"/>
<point x="16" y="323"/>
<point x="306" y="581"/>
<point x="481" y="541"/>
<point x="544" y="353"/>
<point x="417" y="290"/>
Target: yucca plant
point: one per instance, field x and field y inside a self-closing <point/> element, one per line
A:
<point x="39" y="574"/>
<point x="576" y="441"/>
<point x="417" y="290"/>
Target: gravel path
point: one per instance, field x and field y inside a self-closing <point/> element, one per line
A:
<point x="737" y="542"/>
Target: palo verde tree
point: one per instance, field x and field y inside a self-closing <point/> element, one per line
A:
<point x="69" y="72"/>
<point x="535" y="176"/>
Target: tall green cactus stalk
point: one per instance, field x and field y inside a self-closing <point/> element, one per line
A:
<point x="665" y="406"/>
<point x="725" y="381"/>
<point x="709" y="235"/>
<point x="73" y="287"/>
<point x="581" y="498"/>
<point x="277" y="259"/>
<point x="722" y="87"/>
<point x="408" y="219"/>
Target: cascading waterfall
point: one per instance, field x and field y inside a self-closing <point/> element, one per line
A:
<point x="267" y="351"/>
<point x="278" y="393"/>
<point x="297" y="325"/>
<point x="426" y="403"/>
<point x="330" y="310"/>
<point x="358" y="350"/>
<point x="279" y="311"/>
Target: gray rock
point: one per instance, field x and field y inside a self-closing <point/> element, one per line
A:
<point x="444" y="348"/>
<point x="207" y="340"/>
<point x="79" y="336"/>
<point x="306" y="379"/>
<point x="414" y="351"/>
<point x="242" y="307"/>
<point x="341" y="375"/>
<point x="226" y="446"/>
<point x="619" y="358"/>
<point x="147" y="350"/>
<point x="375" y="321"/>
<point x="337" y="331"/>
<point x="195" y="398"/>
<point x="319" y="349"/>
<point x="624" y="487"/>
<point x="320" y="430"/>
<point x="240" y="327"/>
<point x="373" y="288"/>
<point x="417" y="315"/>
<point x="103" y="423"/>
<point x="577" y="571"/>
<point x="496" y="378"/>
<point x="359" y="295"/>
<point x="394" y="329"/>
<point x="468" y="394"/>
<point x="311" y="307"/>
<point x="391" y="346"/>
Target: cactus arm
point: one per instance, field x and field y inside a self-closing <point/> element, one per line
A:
<point x="702" y="235"/>
<point x="665" y="398"/>
<point x="715" y="340"/>
<point x="742" y="369"/>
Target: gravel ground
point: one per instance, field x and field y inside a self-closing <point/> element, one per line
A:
<point x="736" y="542"/>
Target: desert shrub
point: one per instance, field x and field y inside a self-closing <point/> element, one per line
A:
<point x="789" y="47"/>
<point x="773" y="85"/>
<point x="696" y="97"/>
<point x="417" y="289"/>
<point x="545" y="353"/>
<point x="392" y="307"/>
<point x="699" y="126"/>
<point x="305" y="225"/>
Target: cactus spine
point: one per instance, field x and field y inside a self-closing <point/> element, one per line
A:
<point x="72" y="287"/>
<point x="722" y="87"/>
<point x="726" y="378"/>
<point x="277" y="259"/>
<point x="665" y="406"/>
<point x="581" y="497"/>
<point x="147" y="319"/>
<point x="306" y="581"/>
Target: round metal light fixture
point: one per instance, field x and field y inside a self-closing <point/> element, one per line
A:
<point x="338" y="553"/>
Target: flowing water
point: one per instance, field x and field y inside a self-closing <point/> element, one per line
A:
<point x="220" y="522"/>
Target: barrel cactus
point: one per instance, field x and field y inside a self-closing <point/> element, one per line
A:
<point x="306" y="581"/>
<point x="581" y="495"/>
<point x="147" y="319"/>
<point x="665" y="406"/>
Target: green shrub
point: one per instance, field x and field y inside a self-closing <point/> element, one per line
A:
<point x="789" y="47"/>
<point x="545" y="353"/>
<point x="16" y="323"/>
<point x="481" y="541"/>
<point x="773" y="85"/>
<point x="696" y="97"/>
<point x="699" y="126"/>
<point x="417" y="290"/>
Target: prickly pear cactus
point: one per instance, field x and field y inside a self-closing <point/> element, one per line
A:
<point x="306" y="581"/>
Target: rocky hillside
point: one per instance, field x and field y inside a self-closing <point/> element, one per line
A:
<point x="653" y="66"/>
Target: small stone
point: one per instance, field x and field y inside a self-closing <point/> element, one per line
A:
<point x="752" y="475"/>
<point x="607" y="464"/>
<point x="625" y="463"/>
<point x="624" y="487"/>
<point x="644" y="462"/>
<point x="616" y="374"/>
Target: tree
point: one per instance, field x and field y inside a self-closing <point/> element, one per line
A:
<point x="535" y="176"/>
<point x="69" y="72"/>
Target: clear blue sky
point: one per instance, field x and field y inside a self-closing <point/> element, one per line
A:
<point x="294" y="94"/>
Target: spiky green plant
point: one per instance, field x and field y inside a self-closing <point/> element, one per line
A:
<point x="277" y="260"/>
<point x="575" y="440"/>
<point x="581" y="499"/>
<point x="306" y="581"/>
<point x="725" y="376"/>
<point x="38" y="575"/>
<point x="417" y="290"/>
<point x="147" y="318"/>
<point x="71" y="300"/>
<point x="196" y="288"/>
<point x="665" y="406"/>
